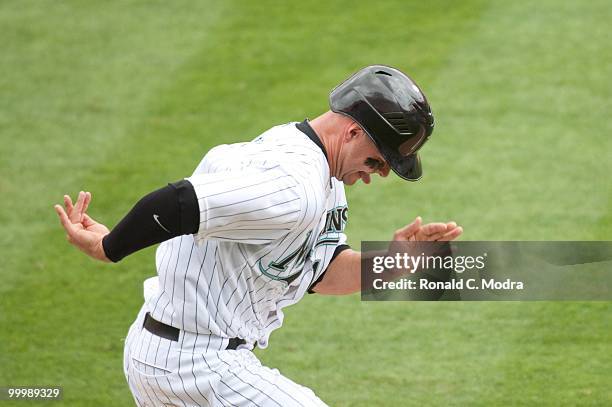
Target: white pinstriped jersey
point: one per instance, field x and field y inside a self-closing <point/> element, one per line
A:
<point x="270" y="220"/>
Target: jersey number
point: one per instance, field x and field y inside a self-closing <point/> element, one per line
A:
<point x="299" y="255"/>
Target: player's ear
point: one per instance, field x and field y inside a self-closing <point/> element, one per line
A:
<point x="353" y="132"/>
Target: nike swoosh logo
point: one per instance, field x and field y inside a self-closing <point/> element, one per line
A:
<point x="156" y="219"/>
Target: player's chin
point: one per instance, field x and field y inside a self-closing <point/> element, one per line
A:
<point x="352" y="178"/>
<point x="365" y="177"/>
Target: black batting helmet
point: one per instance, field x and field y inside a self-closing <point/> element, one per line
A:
<point x="392" y="110"/>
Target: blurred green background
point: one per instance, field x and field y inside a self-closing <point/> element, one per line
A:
<point x="121" y="97"/>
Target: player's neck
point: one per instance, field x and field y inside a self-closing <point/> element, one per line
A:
<point x="327" y="130"/>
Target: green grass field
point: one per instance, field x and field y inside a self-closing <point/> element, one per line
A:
<point x="121" y="97"/>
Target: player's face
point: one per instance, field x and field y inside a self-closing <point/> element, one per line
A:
<point x="364" y="159"/>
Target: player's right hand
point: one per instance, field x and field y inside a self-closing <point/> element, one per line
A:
<point x="430" y="232"/>
<point x="82" y="231"/>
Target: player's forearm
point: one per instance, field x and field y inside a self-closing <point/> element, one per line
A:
<point x="159" y="216"/>
<point x="343" y="275"/>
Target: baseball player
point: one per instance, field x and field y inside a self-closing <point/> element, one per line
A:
<point x="256" y="227"/>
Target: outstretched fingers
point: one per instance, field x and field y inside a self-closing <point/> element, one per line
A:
<point x="433" y="228"/>
<point x="68" y="204"/>
<point x="75" y="211"/>
<point x="77" y="214"/>
<point x="440" y="231"/>
<point x="452" y="235"/>
<point x="86" y="203"/>
<point x="408" y="231"/>
<point x="65" y="220"/>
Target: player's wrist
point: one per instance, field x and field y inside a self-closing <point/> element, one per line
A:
<point x="98" y="251"/>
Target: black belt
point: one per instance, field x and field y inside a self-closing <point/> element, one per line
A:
<point x="171" y="333"/>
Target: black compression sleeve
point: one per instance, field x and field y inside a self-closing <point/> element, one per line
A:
<point x="161" y="215"/>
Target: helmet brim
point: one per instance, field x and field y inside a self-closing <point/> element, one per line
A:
<point x="406" y="167"/>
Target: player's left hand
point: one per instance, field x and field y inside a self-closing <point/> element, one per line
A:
<point x="437" y="231"/>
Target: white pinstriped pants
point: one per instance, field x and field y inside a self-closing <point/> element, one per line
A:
<point x="198" y="371"/>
